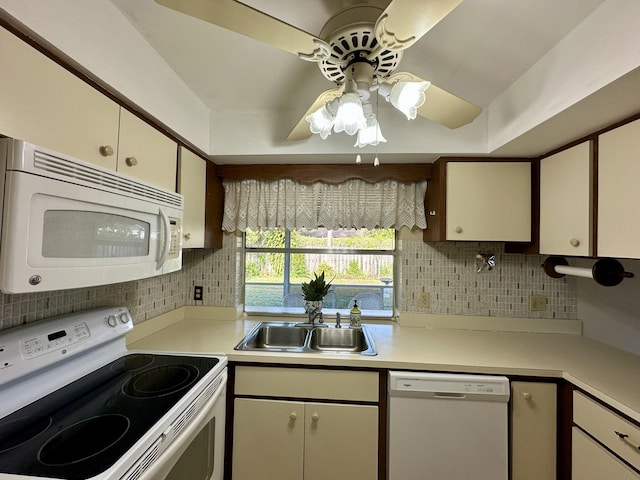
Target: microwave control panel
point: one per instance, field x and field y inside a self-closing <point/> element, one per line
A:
<point x="176" y="239"/>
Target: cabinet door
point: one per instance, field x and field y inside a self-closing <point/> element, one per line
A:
<point x="566" y="202"/>
<point x="341" y="442"/>
<point x="590" y="461"/>
<point x="44" y="104"/>
<point x="533" y="431"/>
<point x="618" y="193"/>
<point x="488" y="201"/>
<point x="145" y="153"/>
<point x="268" y="440"/>
<point x="192" y="185"/>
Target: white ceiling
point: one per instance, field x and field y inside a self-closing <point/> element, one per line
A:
<point x="475" y="52"/>
<point x="482" y="52"/>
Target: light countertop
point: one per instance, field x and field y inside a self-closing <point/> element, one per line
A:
<point x="606" y="372"/>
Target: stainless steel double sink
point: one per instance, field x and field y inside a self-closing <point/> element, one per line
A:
<point x="307" y="338"/>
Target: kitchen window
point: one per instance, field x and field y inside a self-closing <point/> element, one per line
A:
<point x="358" y="262"/>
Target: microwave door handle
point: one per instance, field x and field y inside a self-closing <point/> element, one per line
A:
<point x="167" y="239"/>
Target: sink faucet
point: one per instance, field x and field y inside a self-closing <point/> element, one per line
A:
<point x="338" y="320"/>
<point x="315" y="313"/>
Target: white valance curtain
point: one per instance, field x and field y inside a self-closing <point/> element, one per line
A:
<point x="286" y="204"/>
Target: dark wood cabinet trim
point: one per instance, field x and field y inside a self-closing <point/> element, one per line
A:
<point x="214" y="209"/>
<point x="532" y="247"/>
<point x="435" y="204"/>
<point x="564" y="424"/>
<point x="328" y="173"/>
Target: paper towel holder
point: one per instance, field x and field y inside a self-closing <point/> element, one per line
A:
<point x="608" y="272"/>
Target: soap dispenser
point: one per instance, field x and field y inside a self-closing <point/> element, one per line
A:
<point x="354" y="316"/>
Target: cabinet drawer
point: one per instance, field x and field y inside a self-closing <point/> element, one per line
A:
<point x="307" y="383"/>
<point x="591" y="461"/>
<point x="603" y="424"/>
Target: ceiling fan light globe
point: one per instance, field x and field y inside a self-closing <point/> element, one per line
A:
<point x="371" y="135"/>
<point x="321" y="122"/>
<point x="408" y="97"/>
<point x="350" y="117"/>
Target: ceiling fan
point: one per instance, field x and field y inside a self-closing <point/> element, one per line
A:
<point x="359" y="50"/>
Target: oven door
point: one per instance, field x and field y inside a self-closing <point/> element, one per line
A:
<point x="197" y="453"/>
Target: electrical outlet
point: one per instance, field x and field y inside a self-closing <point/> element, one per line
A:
<point x="537" y="303"/>
<point x="424" y="300"/>
<point x="197" y="293"/>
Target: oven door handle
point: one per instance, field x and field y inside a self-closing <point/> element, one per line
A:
<point x="166" y="245"/>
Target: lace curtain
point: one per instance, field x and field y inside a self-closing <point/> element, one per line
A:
<point x="286" y="204"/>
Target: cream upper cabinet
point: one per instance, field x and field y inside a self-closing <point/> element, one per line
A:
<point x="618" y="193"/>
<point x="488" y="201"/>
<point x="192" y="184"/>
<point x="533" y="430"/>
<point x="44" y="104"/>
<point x="566" y="202"/>
<point x="145" y="153"/>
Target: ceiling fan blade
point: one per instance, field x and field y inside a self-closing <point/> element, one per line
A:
<point x="404" y="22"/>
<point x="302" y="131"/>
<point x="255" y="24"/>
<point x="441" y="106"/>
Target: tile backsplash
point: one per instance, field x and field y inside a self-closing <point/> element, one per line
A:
<point x="446" y="270"/>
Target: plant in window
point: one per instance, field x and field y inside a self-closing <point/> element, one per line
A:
<point x="315" y="290"/>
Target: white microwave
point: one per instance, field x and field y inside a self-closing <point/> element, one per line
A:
<point x="70" y="224"/>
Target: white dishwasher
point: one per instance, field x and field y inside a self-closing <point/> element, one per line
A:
<point x="448" y="426"/>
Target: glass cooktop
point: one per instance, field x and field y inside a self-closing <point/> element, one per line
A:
<point x="82" y="429"/>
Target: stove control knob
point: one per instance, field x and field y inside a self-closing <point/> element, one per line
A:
<point x="112" y="320"/>
<point x="124" y="318"/>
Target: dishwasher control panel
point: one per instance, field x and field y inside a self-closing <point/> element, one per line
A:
<point x="444" y="385"/>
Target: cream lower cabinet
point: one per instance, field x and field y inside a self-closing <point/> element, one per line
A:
<point x="283" y="440"/>
<point x="591" y="461"/>
<point x="605" y="445"/>
<point x="533" y="430"/>
<point x="276" y="439"/>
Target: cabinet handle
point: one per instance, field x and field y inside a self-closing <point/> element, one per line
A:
<point x="131" y="161"/>
<point x="106" y="150"/>
<point x="624" y="437"/>
<point x="293" y="416"/>
<point x="527" y="396"/>
<point x="315" y="417"/>
<point x="574" y="242"/>
<point x="458" y="229"/>
<point x="187" y="236"/>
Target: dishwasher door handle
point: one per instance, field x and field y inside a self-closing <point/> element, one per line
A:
<point x="450" y="395"/>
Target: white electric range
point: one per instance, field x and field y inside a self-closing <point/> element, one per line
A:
<point x="76" y="404"/>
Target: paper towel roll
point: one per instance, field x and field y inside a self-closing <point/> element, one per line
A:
<point x="576" y="271"/>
